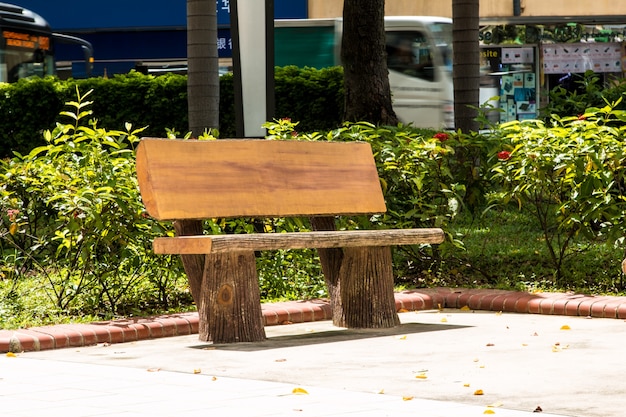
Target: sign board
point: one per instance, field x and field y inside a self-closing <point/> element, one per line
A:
<point x="579" y="57"/>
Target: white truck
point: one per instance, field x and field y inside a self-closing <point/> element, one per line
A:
<point x="419" y="58"/>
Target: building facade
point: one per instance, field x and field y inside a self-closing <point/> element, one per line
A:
<point x="488" y="8"/>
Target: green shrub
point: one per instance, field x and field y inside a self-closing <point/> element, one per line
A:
<point x="570" y="174"/>
<point x="72" y="215"/>
<point x="158" y="104"/>
<point x="27" y="108"/>
<point x="590" y="91"/>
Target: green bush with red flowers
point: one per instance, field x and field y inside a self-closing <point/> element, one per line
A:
<point x="570" y="173"/>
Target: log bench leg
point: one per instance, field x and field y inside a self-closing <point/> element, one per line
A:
<point x="230" y="303"/>
<point x="366" y="286"/>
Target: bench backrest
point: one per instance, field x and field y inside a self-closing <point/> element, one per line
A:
<point x="191" y="179"/>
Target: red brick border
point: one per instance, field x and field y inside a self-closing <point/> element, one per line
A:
<point x="127" y="330"/>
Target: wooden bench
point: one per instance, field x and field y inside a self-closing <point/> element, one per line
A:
<point x="187" y="181"/>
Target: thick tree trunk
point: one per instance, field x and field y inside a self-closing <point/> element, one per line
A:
<point x="364" y="59"/>
<point x="202" y="58"/>
<point x="466" y="60"/>
<point x="230" y="306"/>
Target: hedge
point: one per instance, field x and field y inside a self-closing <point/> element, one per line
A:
<point x="312" y="97"/>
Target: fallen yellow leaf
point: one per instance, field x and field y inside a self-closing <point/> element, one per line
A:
<point x="11" y="355"/>
<point x="566" y="327"/>
<point x="488" y="411"/>
<point x="197" y="371"/>
<point x="479" y="392"/>
<point x="402" y="337"/>
<point x="499" y="313"/>
<point x="403" y="310"/>
<point x="466" y="385"/>
<point x="299" y="391"/>
<point x="154" y="369"/>
<point x="421" y="376"/>
<point x="444" y="320"/>
<point x="214" y="378"/>
<point x="382" y="391"/>
<point x="407" y="398"/>
<point x="465" y="308"/>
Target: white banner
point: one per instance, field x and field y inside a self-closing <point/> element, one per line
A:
<point x="580" y="57"/>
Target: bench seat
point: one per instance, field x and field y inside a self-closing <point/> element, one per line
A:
<point x="189" y="245"/>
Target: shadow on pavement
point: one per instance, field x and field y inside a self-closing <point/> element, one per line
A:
<point x="329" y="336"/>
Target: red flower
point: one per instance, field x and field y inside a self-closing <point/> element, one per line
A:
<point x="504" y="155"/>
<point x="582" y="117"/>
<point x="12" y="213"/>
<point x="442" y="136"/>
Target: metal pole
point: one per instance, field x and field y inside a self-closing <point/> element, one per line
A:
<point x="269" y="60"/>
<point x="238" y="95"/>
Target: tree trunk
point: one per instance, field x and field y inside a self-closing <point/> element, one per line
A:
<point x="193" y="264"/>
<point x="466" y="59"/>
<point x="331" y="260"/>
<point x="202" y="62"/>
<point x="203" y="108"/>
<point x="230" y="306"/>
<point x="364" y="59"/>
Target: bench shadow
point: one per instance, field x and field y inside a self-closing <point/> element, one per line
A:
<point x="328" y="336"/>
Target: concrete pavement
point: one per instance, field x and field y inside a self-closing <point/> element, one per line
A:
<point x="434" y="364"/>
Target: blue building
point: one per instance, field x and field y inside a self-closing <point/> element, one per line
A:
<point x="125" y="33"/>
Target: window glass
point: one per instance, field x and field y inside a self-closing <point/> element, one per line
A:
<point x="22" y="63"/>
<point x="442" y="33"/>
<point x="409" y="52"/>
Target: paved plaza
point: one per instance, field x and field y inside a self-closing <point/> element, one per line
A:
<point x="439" y="363"/>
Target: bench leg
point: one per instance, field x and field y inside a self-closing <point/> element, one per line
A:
<point x="230" y="306"/>
<point x="366" y="286"/>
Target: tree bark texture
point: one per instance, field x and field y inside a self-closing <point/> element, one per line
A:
<point x="230" y="305"/>
<point x="366" y="278"/>
<point x="364" y="59"/>
<point x="331" y="260"/>
<point x="202" y="61"/>
<point x="359" y="282"/>
<point x="193" y="264"/>
<point x="466" y="63"/>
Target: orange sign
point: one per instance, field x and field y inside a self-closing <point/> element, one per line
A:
<point x="26" y="40"/>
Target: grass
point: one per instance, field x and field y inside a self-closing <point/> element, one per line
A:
<point x="505" y="248"/>
<point x="502" y="249"/>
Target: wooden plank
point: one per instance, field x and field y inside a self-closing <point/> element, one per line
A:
<point x="190" y="179"/>
<point x="189" y="245"/>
